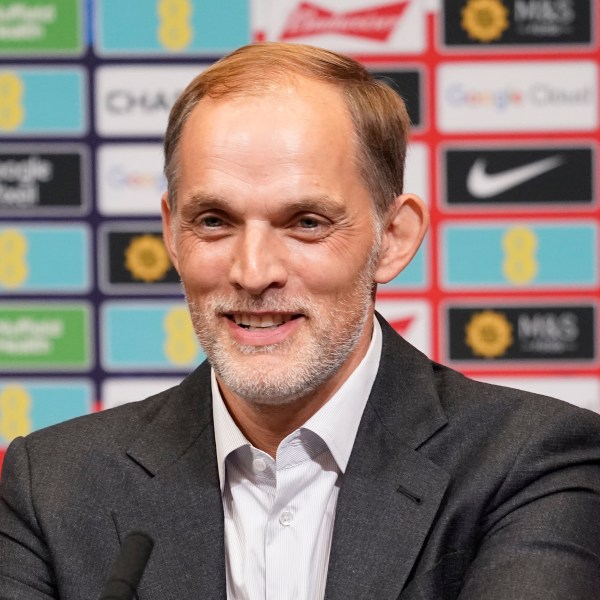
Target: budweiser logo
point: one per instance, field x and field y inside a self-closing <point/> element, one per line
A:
<point x="372" y="23"/>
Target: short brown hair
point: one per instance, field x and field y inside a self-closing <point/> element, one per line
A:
<point x="378" y="113"/>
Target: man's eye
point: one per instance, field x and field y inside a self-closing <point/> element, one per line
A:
<point x="212" y="222"/>
<point x="308" y="223"/>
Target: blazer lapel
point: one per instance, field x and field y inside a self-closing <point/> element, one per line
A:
<point x="176" y="498"/>
<point x="390" y="493"/>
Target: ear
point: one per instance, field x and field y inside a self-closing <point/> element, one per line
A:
<point x="406" y="225"/>
<point x="168" y="219"/>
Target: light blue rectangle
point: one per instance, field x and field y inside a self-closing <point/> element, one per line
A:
<point x="28" y="406"/>
<point x="538" y="255"/>
<point x="49" y="258"/>
<point x="414" y="276"/>
<point x="43" y="101"/>
<point x="171" y="27"/>
<point x="140" y="335"/>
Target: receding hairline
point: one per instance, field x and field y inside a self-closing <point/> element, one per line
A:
<point x="265" y="86"/>
<point x="379" y="139"/>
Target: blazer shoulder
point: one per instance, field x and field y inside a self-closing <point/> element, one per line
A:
<point x="107" y="428"/>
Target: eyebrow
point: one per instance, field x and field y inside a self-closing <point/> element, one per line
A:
<point x="320" y="203"/>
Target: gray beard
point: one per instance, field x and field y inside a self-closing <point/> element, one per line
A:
<point x="333" y="341"/>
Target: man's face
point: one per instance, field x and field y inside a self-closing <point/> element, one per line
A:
<point x="274" y="240"/>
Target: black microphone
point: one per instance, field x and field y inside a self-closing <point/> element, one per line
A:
<point x="129" y="567"/>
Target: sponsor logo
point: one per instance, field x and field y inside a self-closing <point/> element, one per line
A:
<point x="26" y="406"/>
<point x="44" y="338"/>
<point x="130" y="179"/>
<point x="60" y="109"/>
<point x="170" y="341"/>
<point x="30" y="253"/>
<point x="42" y="182"/>
<point x="482" y="184"/>
<point x="134" y="259"/>
<point x="523" y="255"/>
<point x="146" y="258"/>
<point x="551" y="18"/>
<point x="172" y="27"/>
<point x="524" y="96"/>
<point x="524" y="177"/>
<point x="387" y="27"/>
<point x="488" y="334"/>
<point x="544" y="333"/>
<point x="484" y="20"/>
<point x="137" y="100"/>
<point x="517" y="23"/>
<point x="47" y="26"/>
<point x="408" y="85"/>
<point x="375" y="23"/>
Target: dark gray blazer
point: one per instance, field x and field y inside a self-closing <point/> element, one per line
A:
<point x="455" y="489"/>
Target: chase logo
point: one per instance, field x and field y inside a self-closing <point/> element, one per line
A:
<point x="171" y="27"/>
<point x="519" y="255"/>
<point x="516" y="23"/>
<point x="531" y="333"/>
<point x="136" y="101"/>
<point x="519" y="177"/>
<point x="169" y="342"/>
<point x="42" y="101"/>
<point x="46" y="258"/>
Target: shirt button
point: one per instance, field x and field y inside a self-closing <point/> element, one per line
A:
<point x="286" y="517"/>
<point x="259" y="464"/>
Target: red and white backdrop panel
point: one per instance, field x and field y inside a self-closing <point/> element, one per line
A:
<point x="503" y="98"/>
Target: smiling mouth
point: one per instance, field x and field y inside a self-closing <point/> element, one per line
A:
<point x="261" y="322"/>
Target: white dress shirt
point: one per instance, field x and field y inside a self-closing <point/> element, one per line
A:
<point x="279" y="513"/>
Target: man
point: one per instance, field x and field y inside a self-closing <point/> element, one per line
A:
<point x="319" y="455"/>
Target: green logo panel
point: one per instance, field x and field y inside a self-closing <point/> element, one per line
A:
<point x="44" y="337"/>
<point x="30" y="27"/>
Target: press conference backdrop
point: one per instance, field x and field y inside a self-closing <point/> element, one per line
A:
<point x="503" y="97"/>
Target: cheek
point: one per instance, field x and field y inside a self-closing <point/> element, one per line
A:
<point x="331" y="270"/>
<point x="200" y="265"/>
<point x="346" y="250"/>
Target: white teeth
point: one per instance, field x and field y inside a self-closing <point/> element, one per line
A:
<point x="249" y="320"/>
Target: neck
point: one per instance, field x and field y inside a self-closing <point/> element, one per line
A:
<point x="264" y="425"/>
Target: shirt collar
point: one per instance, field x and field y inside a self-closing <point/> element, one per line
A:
<point x="336" y="422"/>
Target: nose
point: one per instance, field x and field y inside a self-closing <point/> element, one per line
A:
<point x="259" y="260"/>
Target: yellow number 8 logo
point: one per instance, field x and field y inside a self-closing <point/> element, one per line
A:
<point x="180" y="344"/>
<point x="13" y="254"/>
<point x="11" y="107"/>
<point x="520" y="265"/>
<point x="174" y="30"/>
<point x="14" y="412"/>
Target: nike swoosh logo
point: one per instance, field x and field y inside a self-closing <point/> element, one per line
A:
<point x="481" y="184"/>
